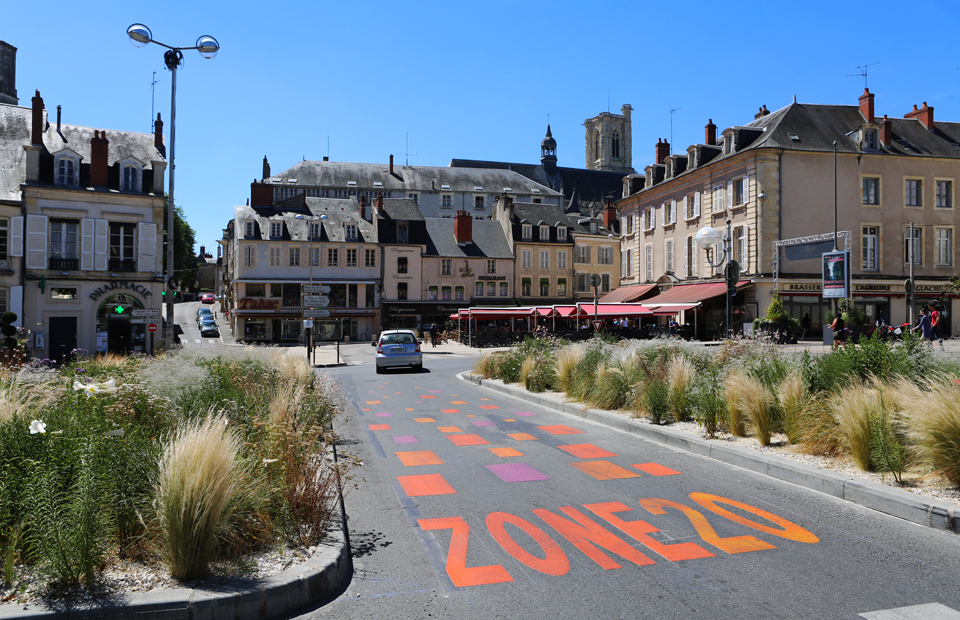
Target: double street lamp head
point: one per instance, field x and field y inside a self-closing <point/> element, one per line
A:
<point x="140" y="35"/>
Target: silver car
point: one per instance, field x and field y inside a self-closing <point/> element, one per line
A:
<point x="398" y="347"/>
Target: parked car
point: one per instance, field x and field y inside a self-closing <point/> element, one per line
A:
<point x="208" y="298"/>
<point x="398" y="347"/>
<point x="208" y="326"/>
<point x="202" y="312"/>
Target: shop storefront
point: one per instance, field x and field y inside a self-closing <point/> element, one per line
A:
<point x="403" y="315"/>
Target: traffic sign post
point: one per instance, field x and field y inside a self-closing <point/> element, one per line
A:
<point x="316" y="301"/>
<point x="144" y="313"/>
<point x="597" y="325"/>
<point x="315" y="313"/>
<point x="315" y="289"/>
<point x="152" y="327"/>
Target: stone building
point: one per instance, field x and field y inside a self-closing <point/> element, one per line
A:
<point x="609" y="141"/>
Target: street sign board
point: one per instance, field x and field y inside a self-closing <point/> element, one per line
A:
<point x="597" y="325"/>
<point x="317" y="313"/>
<point x="595" y="280"/>
<point x="316" y="301"/>
<point x="152" y="327"/>
<point x="307" y="323"/>
<point x="141" y="321"/>
<point x="315" y="289"/>
<point x="146" y="312"/>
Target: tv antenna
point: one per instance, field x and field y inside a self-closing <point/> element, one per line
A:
<point x="671" y="129"/>
<point x="863" y="72"/>
<point x="408" y="154"/>
<point x="153" y="98"/>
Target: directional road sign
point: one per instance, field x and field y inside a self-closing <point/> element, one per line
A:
<point x="318" y="301"/>
<point x="146" y="313"/>
<point x="318" y="313"/>
<point x="315" y="289"/>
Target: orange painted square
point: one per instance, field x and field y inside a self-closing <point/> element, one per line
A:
<point x="522" y="436"/>
<point x="427" y="396"/>
<point x="489" y="407"/>
<point x="426" y="484"/>
<point x="449" y="411"/>
<point x="410" y="409"/>
<point x="604" y="470"/>
<point x="416" y="387"/>
<point x="458" y="402"/>
<point x="385" y="397"/>
<point x="509" y="420"/>
<point x="397" y="392"/>
<point x="505" y="452"/>
<point x="422" y="420"/>
<point x="586" y="451"/>
<point x="379" y="427"/>
<point x="374" y="402"/>
<point x="468" y="440"/>
<point x="419" y="457"/>
<point x="449" y="429"/>
<point x="560" y="429"/>
<point x="484" y="399"/>
<point x="470" y="415"/>
<point x="365" y="409"/>
<point x="656" y="469"/>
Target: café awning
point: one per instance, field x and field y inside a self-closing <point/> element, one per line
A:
<point x="614" y="310"/>
<point x="691" y="293"/>
<point x="626" y="294"/>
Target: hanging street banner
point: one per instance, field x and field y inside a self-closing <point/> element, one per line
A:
<point x="836" y="274"/>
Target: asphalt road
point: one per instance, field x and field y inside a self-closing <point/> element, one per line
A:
<point x="470" y="504"/>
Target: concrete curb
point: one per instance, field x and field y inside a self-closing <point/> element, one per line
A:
<point x="905" y="505"/>
<point x="279" y="595"/>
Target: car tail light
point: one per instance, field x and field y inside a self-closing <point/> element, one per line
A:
<point x="379" y="347"/>
<point x="417" y="350"/>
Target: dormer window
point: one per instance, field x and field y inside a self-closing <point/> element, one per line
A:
<point x="869" y="139"/>
<point x="526" y="232"/>
<point x="315" y="230"/>
<point x="544" y="233"/>
<point x="276" y="230"/>
<point x="402" y="232"/>
<point x="561" y="233"/>
<point x="350" y="231"/>
<point x="130" y="178"/>
<point x="67" y="168"/>
<point x="593" y="228"/>
<point x="248" y="228"/>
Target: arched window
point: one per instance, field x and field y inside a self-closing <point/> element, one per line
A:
<point x="596" y="144"/>
<point x="616" y="145"/>
<point x="131" y="179"/>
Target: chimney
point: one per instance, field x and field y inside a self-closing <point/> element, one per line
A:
<point x="36" y="133"/>
<point x="924" y="115"/>
<point x="763" y="112"/>
<point x="663" y="150"/>
<point x="609" y="213"/>
<point x="363" y="206"/>
<point x="203" y="251"/>
<point x="99" y="148"/>
<point x="391" y="164"/>
<point x="266" y="168"/>
<point x="866" y="105"/>
<point x="59" y="110"/>
<point x="158" y="134"/>
<point x="886" y="131"/>
<point x="710" y="133"/>
<point x="261" y="194"/>
<point x="463" y="227"/>
<point x="326" y="158"/>
<point x="379" y="203"/>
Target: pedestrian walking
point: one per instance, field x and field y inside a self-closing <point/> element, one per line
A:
<point x="935" y="325"/>
<point x="839" y="327"/>
<point x="674" y="327"/>
<point x="433" y="335"/>
<point x="924" y="325"/>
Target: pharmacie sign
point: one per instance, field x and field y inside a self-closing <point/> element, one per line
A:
<point x="120" y="284"/>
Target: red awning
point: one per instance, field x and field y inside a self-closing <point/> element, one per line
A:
<point x="545" y="311"/>
<point x="626" y="293"/>
<point x="691" y="293"/>
<point x="608" y="310"/>
<point x="566" y="312"/>
<point x="497" y="313"/>
<point x="670" y="309"/>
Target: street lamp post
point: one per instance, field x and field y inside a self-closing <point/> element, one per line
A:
<point x="709" y="238"/>
<point x="208" y="47"/>
<point x="310" y="236"/>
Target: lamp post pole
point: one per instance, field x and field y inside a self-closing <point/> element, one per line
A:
<point x="709" y="238"/>
<point x="208" y="47"/>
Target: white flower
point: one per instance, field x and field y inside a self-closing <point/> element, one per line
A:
<point x="268" y="461"/>
<point x="107" y="387"/>
<point x="37" y="426"/>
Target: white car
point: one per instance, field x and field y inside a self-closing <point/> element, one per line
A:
<point x="398" y="347"/>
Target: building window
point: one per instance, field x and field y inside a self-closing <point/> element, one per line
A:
<point x="648" y="218"/>
<point x="690" y="258"/>
<point x="870" y="139"/>
<point x="580" y="281"/>
<point x="916" y="247"/>
<point x="276" y="230"/>
<point x="402" y="235"/>
<point x="402" y="264"/>
<point x="629" y="261"/>
<point x="130" y="179"/>
<point x="478" y="202"/>
<point x="605" y="256"/>
<point x="740" y="246"/>
<point x="944" y="247"/>
<point x="605" y="283"/>
<point x="526" y="232"/>
<point x="402" y="291"/>
<point x="562" y="259"/>
<point x="869" y="241"/>
<point x="275" y="259"/>
<point x="121" y="246"/>
<point x="315" y="230"/>
<point x="913" y="192"/>
<point x="739" y="191"/>
<point x="294" y="257"/>
<point x="63" y="294"/>
<point x="544" y="233"/>
<point x="668" y="256"/>
<point x="445" y="293"/>
<point x="333" y="257"/>
<point x="504" y="289"/>
<point x="582" y="254"/>
<point x="537" y="201"/>
<point x="370" y="258"/>
<point x="491" y="265"/>
<point x="67" y="171"/>
<point x="648" y="261"/>
<point x="314" y="257"/>
<point x="458" y="293"/>
<point x="561" y="287"/>
<point x="446" y="201"/>
<point x="432" y="293"/>
<point x="544" y="259"/>
<point x="446" y="266"/>
<point x="544" y="287"/>
<point x="945" y="194"/>
<point x="561" y="233"/>
<point x="871" y="190"/>
<point x="478" y="289"/>
<point x="63" y="239"/>
<point x="525" y="285"/>
<point x="718" y="198"/>
<point x="615" y="145"/>
<point x="249" y="256"/>
<point x="248" y="229"/>
<point x="255" y="289"/>
<point x="623" y="226"/>
<point x="350" y="231"/>
<point x="351" y="258"/>
<point x="525" y="259"/>
<point x="491" y="289"/>
<point x="415" y="198"/>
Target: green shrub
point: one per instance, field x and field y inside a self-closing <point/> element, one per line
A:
<point x="708" y="403"/>
<point x="656" y="398"/>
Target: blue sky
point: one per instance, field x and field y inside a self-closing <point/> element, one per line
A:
<point x="466" y="80"/>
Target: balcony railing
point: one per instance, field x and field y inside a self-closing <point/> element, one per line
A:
<point x="5" y="265"/>
<point x="64" y="264"/>
<point x="121" y="264"/>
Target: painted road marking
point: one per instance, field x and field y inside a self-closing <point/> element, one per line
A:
<point x="419" y="457"/>
<point x="517" y="472"/>
<point x="483" y="423"/>
<point x="522" y="436"/>
<point x="554" y="562"/>
<point x="374" y="402"/>
<point x="384" y="414"/>
<point x="449" y="429"/>
<point x="930" y="611"/>
<point x="604" y="470"/>
<point x="489" y="407"/>
<point x="379" y="427"/>
<point x="560" y="429"/>
<point x="410" y="409"/>
<point x="523" y="413"/>
<point x="470" y="415"/>
<point x="458" y="402"/>
<point x="427" y="396"/>
<point x="406" y="439"/>
<point x="460" y="574"/>
<point x="586" y="451"/>
<point x="365" y="409"/>
<point x="449" y="411"/>
<point x="509" y="420"/>
<point x="505" y="452"/>
<point x="655" y="469"/>
<point x="425" y="484"/>
<point x="467" y="440"/>
<point x="422" y="420"/>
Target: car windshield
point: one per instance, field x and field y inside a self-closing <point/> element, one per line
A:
<point x="208" y="320"/>
<point x="398" y="339"/>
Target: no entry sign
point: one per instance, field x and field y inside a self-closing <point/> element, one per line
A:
<point x="152" y="327"/>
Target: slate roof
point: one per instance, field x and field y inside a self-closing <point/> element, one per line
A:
<point x="338" y="212"/>
<point x="536" y="214"/>
<point x="401" y="209"/>
<point x="396" y="210"/>
<point x="15" y="133"/>
<point x="488" y="240"/>
<point x="580" y="224"/>
<point x="405" y="178"/>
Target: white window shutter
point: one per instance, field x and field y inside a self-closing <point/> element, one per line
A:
<point x="686" y="259"/>
<point x="16" y="236"/>
<point x="36" y="242"/>
<point x="87" y="233"/>
<point x="694" y="259"/>
<point x="673" y="211"/>
<point x="746" y="189"/>
<point x="729" y="201"/>
<point x="696" y="205"/>
<point x="147" y="247"/>
<point x="663" y="214"/>
<point x="683" y="207"/>
<point x="100" y="245"/>
<point x="746" y="249"/>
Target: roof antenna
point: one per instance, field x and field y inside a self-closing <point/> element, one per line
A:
<point x="328" y="147"/>
<point x="153" y="98"/>
<point x="406" y="156"/>
<point x="671" y="129"/>
<point x="863" y="72"/>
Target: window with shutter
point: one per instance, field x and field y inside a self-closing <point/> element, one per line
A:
<point x="648" y="261"/>
<point x="668" y="256"/>
<point x="696" y="204"/>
